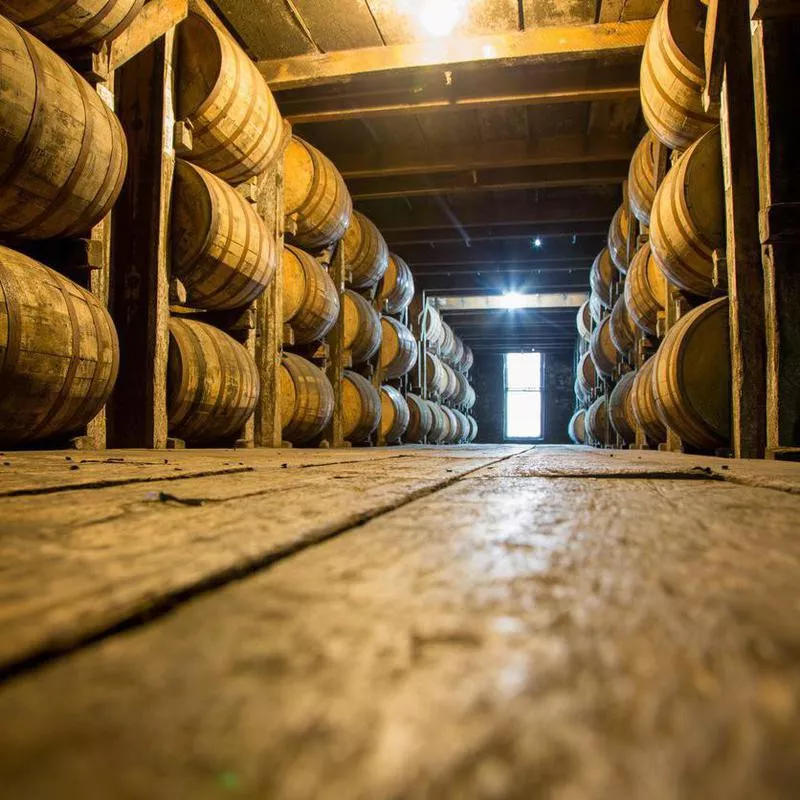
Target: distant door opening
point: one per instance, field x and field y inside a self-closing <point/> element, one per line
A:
<point x="523" y="388"/>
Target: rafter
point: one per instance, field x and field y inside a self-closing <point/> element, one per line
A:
<point x="524" y="230"/>
<point x="550" y="43"/>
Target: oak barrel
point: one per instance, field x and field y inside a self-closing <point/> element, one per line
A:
<point x="306" y="398"/>
<point x="692" y="376"/>
<point x="434" y="328"/>
<point x="601" y="277"/>
<point x="310" y="300"/>
<point x="366" y="254"/>
<point x="420" y="418"/>
<point x="622" y="329"/>
<point x="645" y="290"/>
<point x="584" y="321"/>
<point x="468" y="359"/>
<point x="596" y="308"/>
<point x="577" y="426"/>
<point x="618" y="239"/>
<point x="473" y="429"/>
<point x="643" y="403"/>
<point x="362" y="327"/>
<point x="440" y="427"/>
<point x="395" y="414"/>
<point x="436" y="378"/>
<point x="76" y="23"/>
<point x="688" y="219"/>
<point x="462" y="426"/>
<point x="63" y="153"/>
<point x="221" y="249"/>
<point x="317" y="204"/>
<point x="361" y="407"/>
<point x="580" y="395"/>
<point x="602" y="350"/>
<point x="620" y="408"/>
<point x="642" y="179"/>
<point x="398" y="348"/>
<point x="598" y="427"/>
<point x="451" y="386"/>
<point x="465" y="394"/>
<point x="212" y="383"/>
<point x="587" y="374"/>
<point x="448" y="343"/>
<point x="396" y="287"/>
<point x="236" y="126"/>
<point x="451" y="435"/>
<point x="673" y="75"/>
<point x="59" y="353"/>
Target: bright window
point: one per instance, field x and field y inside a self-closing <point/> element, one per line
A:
<point x="523" y="395"/>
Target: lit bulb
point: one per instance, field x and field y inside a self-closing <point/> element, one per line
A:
<point x="537" y="242"/>
<point x="439" y="17"/>
<point x="513" y="300"/>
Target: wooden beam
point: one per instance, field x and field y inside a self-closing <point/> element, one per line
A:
<point x="425" y="213"/>
<point x="153" y="21"/>
<point x="552" y="43"/>
<point x="496" y="233"/>
<point x="743" y="248"/>
<point x="555" y="150"/>
<point x="348" y="107"/>
<point x="501" y="179"/>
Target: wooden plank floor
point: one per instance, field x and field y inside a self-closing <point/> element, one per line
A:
<point x="399" y="623"/>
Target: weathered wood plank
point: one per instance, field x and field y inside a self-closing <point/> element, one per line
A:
<point x="107" y="555"/>
<point x="555" y="43"/>
<point x="503" y="637"/>
<point x="155" y="19"/>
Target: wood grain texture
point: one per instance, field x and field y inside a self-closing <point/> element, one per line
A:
<point x="503" y="637"/>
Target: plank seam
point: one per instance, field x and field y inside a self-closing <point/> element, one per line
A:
<point x="162" y="606"/>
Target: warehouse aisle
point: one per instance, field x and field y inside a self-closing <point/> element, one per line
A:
<point x="485" y="621"/>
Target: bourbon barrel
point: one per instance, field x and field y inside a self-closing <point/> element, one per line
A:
<point x="577" y="427"/>
<point x="602" y="350"/>
<point x="642" y="178"/>
<point x="692" y="376"/>
<point x="448" y="343"/>
<point x="306" y="399"/>
<point x="63" y="154"/>
<point x="420" y="418"/>
<point x="596" y="308"/>
<point x="395" y="414"/>
<point x="688" y="218"/>
<point x="587" y="374"/>
<point x="462" y="426"/>
<point x="435" y="375"/>
<point x="236" y="126"/>
<point x="618" y="239"/>
<point x="451" y="385"/>
<point x="396" y="287"/>
<point x="673" y="75"/>
<point x="645" y="290"/>
<point x="584" y="321"/>
<point x="580" y="395"/>
<point x="598" y="426"/>
<point x="468" y="359"/>
<point x="59" y="353"/>
<point x="222" y="251"/>
<point x="622" y="329"/>
<point x="440" y="427"/>
<point x="365" y="251"/>
<point x="620" y="408"/>
<point x="398" y="348"/>
<point x="362" y="327"/>
<point x="601" y="277"/>
<point x="643" y="403"/>
<point x="317" y="204"/>
<point x="77" y="23"/>
<point x="434" y="328"/>
<point x="452" y="426"/>
<point x="212" y="383"/>
<point x="361" y="407"/>
<point x="473" y="429"/>
<point x="310" y="300"/>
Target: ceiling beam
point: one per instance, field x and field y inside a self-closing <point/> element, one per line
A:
<point x="547" y="43"/>
<point x="495" y="233"/>
<point x="609" y="83"/>
<point x="554" y="150"/>
<point x="425" y="213"/>
<point x="541" y="176"/>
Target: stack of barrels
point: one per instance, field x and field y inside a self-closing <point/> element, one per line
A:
<point x="441" y="409"/>
<point x="63" y="160"/>
<point x="643" y="372"/>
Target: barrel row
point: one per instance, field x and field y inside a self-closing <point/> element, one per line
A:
<point x="442" y="341"/>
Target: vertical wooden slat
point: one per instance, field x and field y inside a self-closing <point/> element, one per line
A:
<point x="743" y="251"/>
<point x="139" y="285"/>
<point x="334" y="433"/>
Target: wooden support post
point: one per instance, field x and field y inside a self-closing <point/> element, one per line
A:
<point x="776" y="63"/>
<point x="743" y="252"/>
<point x="334" y="433"/>
<point x="139" y="280"/>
